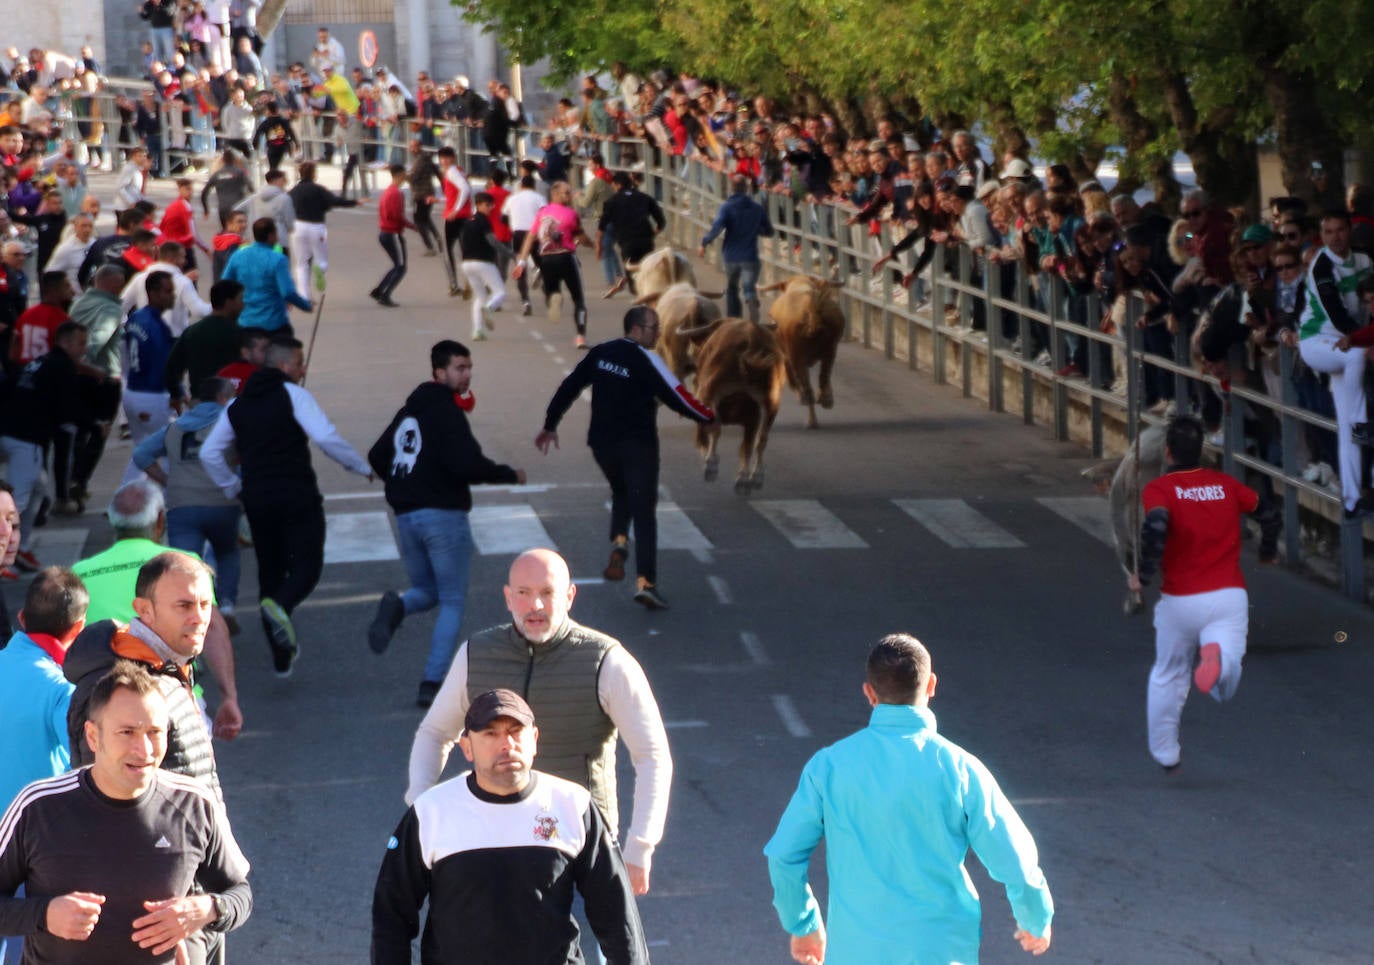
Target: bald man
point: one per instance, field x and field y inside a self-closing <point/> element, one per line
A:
<point x="554" y="662"/>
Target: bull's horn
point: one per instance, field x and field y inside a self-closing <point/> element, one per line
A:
<point x="712" y="295"/>
<point x="632" y="266"/>
<point x="777" y="286"/>
<point x="699" y="329"/>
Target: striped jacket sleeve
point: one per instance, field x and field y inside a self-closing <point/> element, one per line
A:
<point x="24" y="916"/>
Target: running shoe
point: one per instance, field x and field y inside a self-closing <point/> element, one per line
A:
<point x="479" y="336"/>
<point x="580" y="343"/>
<point x="648" y="595"/>
<point x="527" y="309"/>
<point x="489" y="318"/>
<point x="1208" y="670"/>
<point x="281" y="636"/>
<point x="620" y="552"/>
<point x="390" y="612"/>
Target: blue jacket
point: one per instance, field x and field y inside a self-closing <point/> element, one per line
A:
<point x="265" y="275"/>
<point x="147" y="343"/>
<point x="744" y="221"/>
<point x="899" y="807"/>
<point x="34" y="696"/>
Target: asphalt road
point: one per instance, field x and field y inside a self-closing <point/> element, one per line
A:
<point x="1256" y="851"/>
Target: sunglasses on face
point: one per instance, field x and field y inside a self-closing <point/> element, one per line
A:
<point x="1192" y="214"/>
<point x="1290" y="235"/>
<point x="1285" y="266"/>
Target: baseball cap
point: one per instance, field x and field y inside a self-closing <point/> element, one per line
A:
<point x="488" y="706"/>
<point x="1257" y="234"/>
<point x="1016" y="168"/>
<point x="986" y="188"/>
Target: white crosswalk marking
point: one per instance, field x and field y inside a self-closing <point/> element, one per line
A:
<point x="808" y="525"/>
<point x="359" y="538"/>
<point x="676" y="531"/>
<point x="502" y="530"/>
<point x="1089" y="513"/>
<point x="958" y="524"/>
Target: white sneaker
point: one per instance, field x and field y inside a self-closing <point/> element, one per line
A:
<point x="487" y="318"/>
<point x="1312" y="473"/>
<point x="479" y="336"/>
<point x="1044" y="358"/>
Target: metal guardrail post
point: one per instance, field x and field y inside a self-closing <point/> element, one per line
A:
<point x="1050" y="289"/>
<point x="1092" y="320"/>
<point x="1023" y="293"/>
<point x="937" y="317"/>
<point x="1233" y="417"/>
<point x="1133" y="348"/>
<point x="992" y="286"/>
<point x="965" y="304"/>
<point x="1352" y="559"/>
<point x="1288" y="442"/>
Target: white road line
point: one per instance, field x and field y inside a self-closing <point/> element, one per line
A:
<point x="808" y="525"/>
<point x="1089" y="513"/>
<point x="754" y="647"/>
<point x="358" y="538"/>
<point x="537" y="335"/>
<point x="549" y="347"/>
<point x="60" y="547"/>
<point x="369" y="494"/>
<point x="702" y="556"/>
<point x="340" y="600"/>
<point x="721" y="589"/>
<point x="958" y="524"/>
<point x="790" y="718"/>
<point x="500" y="530"/>
<point x="685" y="724"/>
<point x="676" y="531"/>
<point x="559" y="360"/>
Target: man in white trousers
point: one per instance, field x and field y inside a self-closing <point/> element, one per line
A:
<point x="1332" y="312"/>
<point x="1192" y="529"/>
<point x="480" y="250"/>
<point x="309" y="237"/>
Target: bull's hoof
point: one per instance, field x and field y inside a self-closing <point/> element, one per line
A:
<point x="827" y="399"/>
<point x="1133" y="604"/>
<point x="711" y="472"/>
<point x="811" y="422"/>
<point x="743" y="486"/>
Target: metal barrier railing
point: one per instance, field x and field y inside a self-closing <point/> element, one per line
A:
<point x="807" y="233"/>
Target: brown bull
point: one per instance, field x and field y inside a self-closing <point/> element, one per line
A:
<point x="686" y="318"/>
<point x="810" y="326"/>
<point x="740" y="376"/>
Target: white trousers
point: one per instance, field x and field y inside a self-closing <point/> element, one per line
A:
<point x="488" y="289"/>
<point x="309" y="242"/>
<point x="1182" y="624"/>
<point x="1347" y="391"/>
<point x="147" y="412"/>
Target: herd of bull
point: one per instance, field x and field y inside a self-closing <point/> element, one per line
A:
<point x="740" y="365"/>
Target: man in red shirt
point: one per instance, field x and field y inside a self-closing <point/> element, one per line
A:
<point x="179" y="225"/>
<point x="391" y="225"/>
<point x="1193" y="528"/>
<point x="35" y="330"/>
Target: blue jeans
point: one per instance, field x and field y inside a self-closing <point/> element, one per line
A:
<point x="436" y="547"/>
<point x="164" y="43"/>
<point x="189" y="528"/>
<point x="740" y="274"/>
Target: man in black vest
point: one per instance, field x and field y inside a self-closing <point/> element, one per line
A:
<point x="557" y="665"/>
<point x="272" y="423"/>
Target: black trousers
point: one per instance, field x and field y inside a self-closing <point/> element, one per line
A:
<point x="395" y="247"/>
<point x="425" y="224"/>
<point x="633" y="253"/>
<point x="100" y="400"/>
<point x="631" y="467"/>
<point x="563" y="269"/>
<point x="453" y="228"/>
<point x="517" y="241"/>
<point x="288" y="538"/>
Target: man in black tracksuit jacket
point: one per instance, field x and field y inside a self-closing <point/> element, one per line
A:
<point x="428" y="457"/>
<point x="628" y="381"/>
<point x="634" y="218"/>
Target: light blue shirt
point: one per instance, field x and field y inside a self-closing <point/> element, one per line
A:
<point x="34" y="697"/>
<point x="265" y="275"/>
<point x="899" y="807"/>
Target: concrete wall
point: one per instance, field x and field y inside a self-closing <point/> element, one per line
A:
<point x="64" y="25"/>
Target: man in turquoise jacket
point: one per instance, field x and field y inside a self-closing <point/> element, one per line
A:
<point x="265" y="274"/>
<point x="899" y="807"/>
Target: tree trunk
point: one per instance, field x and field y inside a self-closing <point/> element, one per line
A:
<point x="1010" y="137"/>
<point x="1304" y="136"/>
<point x="1225" y="163"/>
<point x="269" y="16"/>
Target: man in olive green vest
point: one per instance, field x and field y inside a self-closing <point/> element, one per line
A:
<point x="584" y="688"/>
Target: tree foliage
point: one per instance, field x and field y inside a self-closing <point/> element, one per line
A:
<point x="1073" y="80"/>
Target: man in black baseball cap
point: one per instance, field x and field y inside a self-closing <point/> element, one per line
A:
<point x="513" y="830"/>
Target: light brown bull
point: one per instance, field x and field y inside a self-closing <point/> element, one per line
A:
<point x="657" y="271"/>
<point x="740" y="376"/>
<point x="810" y="326"/>
<point x="686" y="319"/>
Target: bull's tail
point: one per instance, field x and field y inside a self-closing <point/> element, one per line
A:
<point x="777" y="286"/>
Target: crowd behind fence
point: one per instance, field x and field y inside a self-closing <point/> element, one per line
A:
<point x="997" y="311"/>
